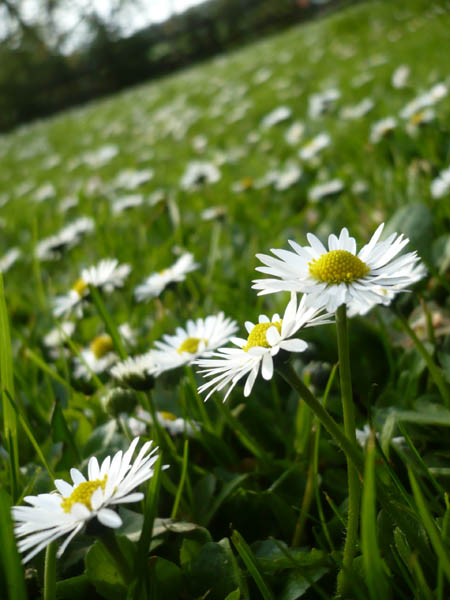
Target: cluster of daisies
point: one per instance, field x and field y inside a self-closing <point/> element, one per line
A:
<point x="327" y="278"/>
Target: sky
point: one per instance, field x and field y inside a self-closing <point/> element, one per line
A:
<point x="136" y="15"/>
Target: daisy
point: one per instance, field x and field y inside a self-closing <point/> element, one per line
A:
<point x="174" y="425"/>
<point x="155" y="283"/>
<point x="318" y="104"/>
<point x="265" y="339"/>
<point x="8" y="259"/>
<point x="381" y="129"/>
<point x="400" y="77"/>
<point x="276" y="116"/>
<point x="136" y="372"/>
<point x="338" y="275"/>
<point x="314" y="146"/>
<point x="199" y="173"/>
<point x="68" y="509"/>
<point x="56" y="338"/>
<point x="199" y="338"/>
<point x="440" y="186"/>
<point x="95" y="359"/>
<point x="323" y="190"/>
<point x="106" y="276"/>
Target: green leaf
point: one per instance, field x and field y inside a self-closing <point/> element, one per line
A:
<point x="13" y="575"/>
<point x="297" y="584"/>
<point x="74" y="588"/>
<point x="234" y="595"/>
<point x="213" y="571"/>
<point x="275" y="556"/>
<point x="103" y="573"/>
<point x="62" y="433"/>
<point x="167" y="577"/>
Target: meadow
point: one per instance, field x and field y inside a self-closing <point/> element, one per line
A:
<point x="129" y="234"/>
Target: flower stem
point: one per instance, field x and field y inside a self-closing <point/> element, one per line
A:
<point x="50" y="572"/>
<point x="350" y="450"/>
<point x="354" y="488"/>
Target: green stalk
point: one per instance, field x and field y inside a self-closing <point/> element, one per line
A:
<point x="50" y="572"/>
<point x="354" y="489"/>
<point x="350" y="450"/>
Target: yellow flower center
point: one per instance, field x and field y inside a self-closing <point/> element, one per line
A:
<point x="101" y="345"/>
<point x="83" y="493"/>
<point x="417" y="118"/>
<point x="189" y="345"/>
<point x="338" y="266"/>
<point x="247" y="183"/>
<point x="80" y="287"/>
<point x="167" y="416"/>
<point x="257" y="336"/>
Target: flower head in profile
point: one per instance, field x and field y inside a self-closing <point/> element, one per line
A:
<point x="199" y="338"/>
<point x="97" y="358"/>
<point x="106" y="276"/>
<point x="338" y="275"/>
<point x="265" y="339"/>
<point x="155" y="283"/>
<point x="67" y="510"/>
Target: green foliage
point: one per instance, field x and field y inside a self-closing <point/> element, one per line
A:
<point x="245" y="475"/>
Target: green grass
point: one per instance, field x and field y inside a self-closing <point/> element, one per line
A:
<point x="227" y="515"/>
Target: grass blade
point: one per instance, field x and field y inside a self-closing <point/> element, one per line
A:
<point x="373" y="564"/>
<point x="250" y="562"/>
<point x="9" y="556"/>
<point x="7" y="391"/>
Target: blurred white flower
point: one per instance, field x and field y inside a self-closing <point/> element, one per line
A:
<point x="155" y="283"/>
<point x="330" y="188"/>
<point x="400" y="76"/>
<point x="440" y="186"/>
<point x="276" y="116"/>
<point x="199" y="173"/>
<point x="314" y="146"/>
<point x="382" y="128"/>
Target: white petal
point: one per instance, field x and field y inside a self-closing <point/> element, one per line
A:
<point x="294" y="345"/>
<point x="109" y="517"/>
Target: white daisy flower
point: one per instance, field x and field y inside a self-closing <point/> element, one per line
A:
<point x="314" y="146"/>
<point x="322" y="190"/>
<point x="357" y="111"/>
<point x="107" y="275"/>
<point x="155" y="283"/>
<point x="400" y="77"/>
<point x="56" y="338"/>
<point x="8" y="259"/>
<point x="199" y="338"/>
<point x="418" y="120"/>
<point x="380" y="129"/>
<point x="130" y="179"/>
<point x="127" y="202"/>
<point x="199" y="173"/>
<point x="227" y="366"/>
<point x="295" y="133"/>
<point x="100" y="156"/>
<point x="136" y="371"/>
<point x="318" y="104"/>
<point x="97" y="359"/>
<point x="68" y="509"/>
<point x="276" y="116"/>
<point x="341" y="276"/>
<point x="440" y="186"/>
<point x="430" y="98"/>
<point x="174" y="425"/>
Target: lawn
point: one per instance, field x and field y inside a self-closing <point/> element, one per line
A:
<point x="343" y="122"/>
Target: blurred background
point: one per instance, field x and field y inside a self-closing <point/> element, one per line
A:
<point x="58" y="53"/>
